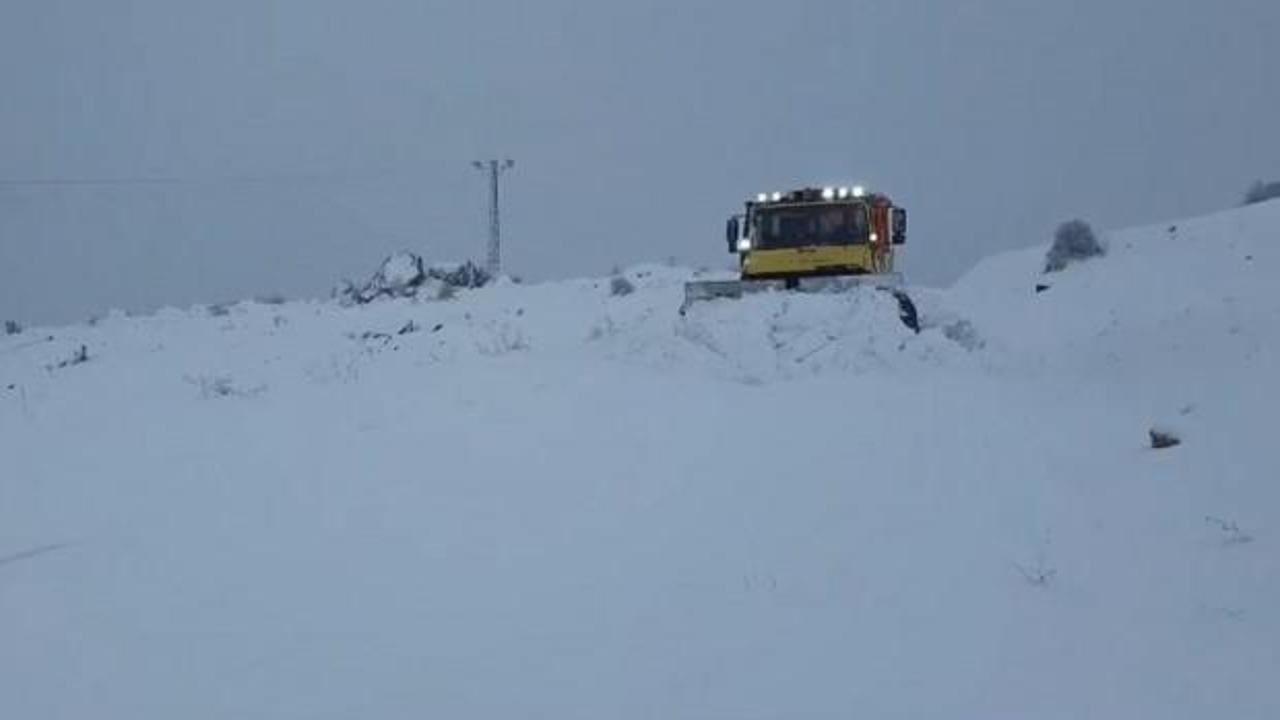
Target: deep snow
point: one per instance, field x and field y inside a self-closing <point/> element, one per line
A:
<point x="545" y="501"/>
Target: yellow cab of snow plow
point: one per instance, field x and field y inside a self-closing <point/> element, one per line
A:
<point x="813" y="240"/>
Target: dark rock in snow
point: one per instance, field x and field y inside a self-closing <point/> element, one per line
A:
<point x="1163" y="439"/>
<point x="405" y="275"/>
<point x="464" y="275"/>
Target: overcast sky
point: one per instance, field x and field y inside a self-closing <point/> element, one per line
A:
<point x="295" y="142"/>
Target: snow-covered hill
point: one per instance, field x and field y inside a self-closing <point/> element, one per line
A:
<point x="549" y="501"/>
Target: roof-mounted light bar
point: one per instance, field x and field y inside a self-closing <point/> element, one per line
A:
<point x="828" y="193"/>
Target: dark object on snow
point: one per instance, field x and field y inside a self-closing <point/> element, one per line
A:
<point x="619" y="286"/>
<point x="907" y="311"/>
<point x="80" y="357"/>
<point x="1041" y="287"/>
<point x="466" y="275"/>
<point x="437" y="328"/>
<point x="1262" y="192"/>
<point x="409" y="327"/>
<point x="1163" y="439"/>
<point x="11" y="327"/>
<point x="1074" y="241"/>
<point x="405" y="274"/>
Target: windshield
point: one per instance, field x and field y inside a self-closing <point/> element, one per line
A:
<point x="807" y="225"/>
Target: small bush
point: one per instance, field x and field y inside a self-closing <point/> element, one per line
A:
<point x="79" y="357"/>
<point x="1074" y="241"/>
<point x="11" y="327"/>
<point x="1262" y="192"/>
<point x="222" y="386"/>
<point x="1231" y="532"/>
<point x="467" y="275"/>
<point x="1037" y="574"/>
<point x="619" y="286"/>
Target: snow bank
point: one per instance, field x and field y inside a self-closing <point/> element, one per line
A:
<point x="1197" y="293"/>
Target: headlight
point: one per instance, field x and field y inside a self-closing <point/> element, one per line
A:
<point x="843" y="192"/>
<point x="859" y="191"/>
<point x="875" y="237"/>
<point x="828" y="193"/>
<point x="777" y="196"/>
<point x="744" y="245"/>
<point x="762" y="197"/>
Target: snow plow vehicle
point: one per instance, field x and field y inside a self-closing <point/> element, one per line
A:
<point x="830" y="239"/>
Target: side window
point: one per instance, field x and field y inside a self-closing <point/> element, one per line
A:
<point x="861" y="226"/>
<point x="899" y="226"/>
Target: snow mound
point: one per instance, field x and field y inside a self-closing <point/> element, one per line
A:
<point x="769" y="337"/>
<point x="1193" y="294"/>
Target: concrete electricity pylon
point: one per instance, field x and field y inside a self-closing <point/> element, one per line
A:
<point x="495" y="168"/>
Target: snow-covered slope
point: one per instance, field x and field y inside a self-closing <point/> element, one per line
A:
<point x="547" y="501"/>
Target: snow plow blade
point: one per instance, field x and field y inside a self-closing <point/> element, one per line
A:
<point x="702" y="290"/>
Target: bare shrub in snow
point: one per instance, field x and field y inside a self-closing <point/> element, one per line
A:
<point x="1037" y="573"/>
<point x="272" y="299"/>
<point x="1231" y="533"/>
<point x="620" y="286"/>
<point x="464" y="275"/>
<point x="79" y="357"/>
<point x="11" y="327"/>
<point x="221" y="386"/>
<point x="1074" y="241"/>
<point x="1261" y="192"/>
<point x="220" y="310"/>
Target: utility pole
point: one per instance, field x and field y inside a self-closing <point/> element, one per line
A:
<point x="495" y="168"/>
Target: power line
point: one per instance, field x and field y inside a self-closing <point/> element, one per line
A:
<point x="82" y="182"/>
<point x="249" y="179"/>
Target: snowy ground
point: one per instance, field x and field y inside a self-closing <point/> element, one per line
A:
<point x="547" y="502"/>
